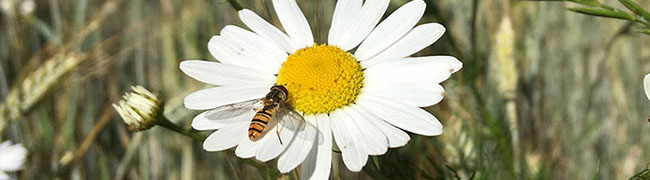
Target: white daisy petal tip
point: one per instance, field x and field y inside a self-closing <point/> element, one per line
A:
<point x="12" y="157"/>
<point x="391" y="30"/>
<point x="225" y="138"/>
<point x="455" y="64"/>
<point x="294" y="22"/>
<point x="3" y="175"/>
<point x="244" y="11"/>
<point x="646" y="85"/>
<point x="298" y="148"/>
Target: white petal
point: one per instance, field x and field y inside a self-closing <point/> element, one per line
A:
<point x="294" y="22"/>
<point x="229" y="51"/>
<point x="344" y="13"/>
<point x="391" y="29"/>
<point x="3" y="175"/>
<point x="225" y="138"/>
<point x="266" y="30"/>
<point x="417" y="39"/>
<point x="224" y="74"/>
<point x="270" y="146"/>
<point x="266" y="53"/>
<point x="218" y="96"/>
<point x="376" y="143"/>
<point x="12" y="157"/>
<point x="298" y="149"/>
<point x="408" y="70"/>
<point x="421" y="94"/>
<point x="217" y="47"/>
<point x="200" y="122"/>
<point x="319" y="161"/>
<point x="455" y="64"/>
<point x="369" y="16"/>
<point x="345" y="135"/>
<point x="646" y="85"/>
<point x="4" y="145"/>
<point x="396" y="137"/>
<point x="246" y="147"/>
<point x="407" y="117"/>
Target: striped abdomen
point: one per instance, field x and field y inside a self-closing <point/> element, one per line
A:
<point x="259" y="122"/>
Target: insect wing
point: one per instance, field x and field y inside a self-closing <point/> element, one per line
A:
<point x="292" y="124"/>
<point x="229" y="111"/>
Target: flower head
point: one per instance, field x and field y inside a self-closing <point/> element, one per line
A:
<point x="7" y="7"/>
<point x="12" y="158"/>
<point x="139" y="108"/>
<point x="360" y="90"/>
<point x="27" y="7"/>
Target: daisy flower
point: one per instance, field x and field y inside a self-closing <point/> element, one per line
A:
<point x="359" y="91"/>
<point x="12" y="158"/>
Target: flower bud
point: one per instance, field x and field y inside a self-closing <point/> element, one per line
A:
<point x="139" y="108"/>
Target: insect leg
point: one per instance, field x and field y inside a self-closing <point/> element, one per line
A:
<point x="277" y="131"/>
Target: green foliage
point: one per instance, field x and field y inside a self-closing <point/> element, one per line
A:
<point x="642" y="175"/>
<point x="593" y="3"/>
<point x="634" y="7"/>
<point x="603" y="12"/>
<point x="595" y="8"/>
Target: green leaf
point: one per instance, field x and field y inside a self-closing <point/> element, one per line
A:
<point x="634" y="7"/>
<point x="603" y="13"/>
<point x="595" y="177"/>
<point x="644" y="31"/>
<point x="592" y="3"/>
<point x="643" y="175"/>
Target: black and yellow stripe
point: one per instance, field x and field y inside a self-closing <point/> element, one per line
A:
<point x="259" y="122"/>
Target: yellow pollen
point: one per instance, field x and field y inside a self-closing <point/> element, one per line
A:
<point x="320" y="79"/>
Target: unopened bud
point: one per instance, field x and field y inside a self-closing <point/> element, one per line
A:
<point x="139" y="108"/>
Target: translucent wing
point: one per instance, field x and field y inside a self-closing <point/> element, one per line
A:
<point x="229" y="111"/>
<point x="293" y="125"/>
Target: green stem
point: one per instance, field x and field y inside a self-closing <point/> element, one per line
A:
<point x="371" y="170"/>
<point x="164" y="122"/>
<point x="235" y="4"/>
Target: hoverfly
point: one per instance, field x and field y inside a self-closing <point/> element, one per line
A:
<point x="274" y="112"/>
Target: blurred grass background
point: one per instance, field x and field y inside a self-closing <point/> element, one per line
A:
<point x="545" y="93"/>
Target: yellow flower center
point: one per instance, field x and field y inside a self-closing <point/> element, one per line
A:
<point x="320" y="79"/>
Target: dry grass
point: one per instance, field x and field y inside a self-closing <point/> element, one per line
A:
<point x="577" y="97"/>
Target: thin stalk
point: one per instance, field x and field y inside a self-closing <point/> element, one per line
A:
<point x="66" y="161"/>
<point x="164" y="122"/>
<point x="371" y="170"/>
<point x="235" y="4"/>
<point x="232" y="167"/>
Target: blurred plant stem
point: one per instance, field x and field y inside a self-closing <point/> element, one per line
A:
<point x="643" y="174"/>
<point x="372" y="170"/>
<point x="602" y="64"/>
<point x="235" y="4"/>
<point x="66" y="161"/>
<point x="26" y="95"/>
<point x="594" y="8"/>
<point x="166" y="123"/>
